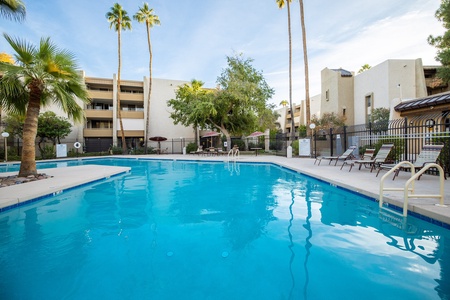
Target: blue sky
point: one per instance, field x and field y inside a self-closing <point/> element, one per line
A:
<point x="195" y="37"/>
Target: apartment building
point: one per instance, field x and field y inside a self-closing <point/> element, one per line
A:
<point x="101" y="128"/>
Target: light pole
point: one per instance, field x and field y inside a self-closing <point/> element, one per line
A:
<point x="312" y="126"/>
<point x="5" y="135"/>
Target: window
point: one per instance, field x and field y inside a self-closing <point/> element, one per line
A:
<point x="327" y="95"/>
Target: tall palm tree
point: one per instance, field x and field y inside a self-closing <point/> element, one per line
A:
<point x="12" y="9"/>
<point x="281" y="4"/>
<point x="119" y="20"/>
<point x="41" y="75"/>
<point x="305" y="61"/>
<point x="145" y="15"/>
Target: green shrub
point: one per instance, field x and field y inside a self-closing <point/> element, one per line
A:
<point x="191" y="147"/>
<point x="47" y="152"/>
<point x="295" y="147"/>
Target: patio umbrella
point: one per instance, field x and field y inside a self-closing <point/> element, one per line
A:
<point x="255" y="134"/>
<point x="210" y="134"/>
<point x="158" y="139"/>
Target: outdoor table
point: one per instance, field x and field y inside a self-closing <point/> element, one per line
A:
<point x="256" y="150"/>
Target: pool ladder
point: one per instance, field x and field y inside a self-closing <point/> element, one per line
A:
<point x="234" y="154"/>
<point x="408" y="189"/>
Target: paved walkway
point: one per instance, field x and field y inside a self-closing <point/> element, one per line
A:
<point x="361" y="181"/>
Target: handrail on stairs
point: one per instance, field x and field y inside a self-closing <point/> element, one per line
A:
<point x="409" y="185"/>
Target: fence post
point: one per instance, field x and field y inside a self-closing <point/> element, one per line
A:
<point x="370" y="134"/>
<point x="405" y="139"/>
<point x="345" y="137"/>
<point x="331" y="141"/>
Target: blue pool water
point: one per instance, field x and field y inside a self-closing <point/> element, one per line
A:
<point x="190" y="230"/>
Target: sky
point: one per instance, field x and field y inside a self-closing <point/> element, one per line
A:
<point x="196" y="36"/>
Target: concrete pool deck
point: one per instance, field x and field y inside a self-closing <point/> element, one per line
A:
<point x="359" y="181"/>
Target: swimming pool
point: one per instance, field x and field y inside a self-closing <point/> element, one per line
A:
<point x="193" y="230"/>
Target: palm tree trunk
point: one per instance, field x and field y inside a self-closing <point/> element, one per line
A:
<point x="305" y="61"/>
<point x="292" y="135"/>
<point x="119" y="111"/>
<point x="147" y="121"/>
<point x="28" y="162"/>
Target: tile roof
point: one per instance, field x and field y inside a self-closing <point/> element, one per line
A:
<point x="344" y="73"/>
<point x="428" y="101"/>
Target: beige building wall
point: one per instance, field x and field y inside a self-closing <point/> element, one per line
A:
<point x="395" y="78"/>
<point x="337" y="93"/>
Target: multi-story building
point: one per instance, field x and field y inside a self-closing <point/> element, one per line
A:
<point x="101" y="128"/>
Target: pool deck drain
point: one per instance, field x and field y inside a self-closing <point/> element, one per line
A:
<point x="360" y="181"/>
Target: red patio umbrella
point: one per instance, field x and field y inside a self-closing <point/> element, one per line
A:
<point x="158" y="139"/>
<point x="255" y="134"/>
<point x="211" y="134"/>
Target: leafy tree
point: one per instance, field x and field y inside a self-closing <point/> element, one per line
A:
<point x="380" y="115"/>
<point x="192" y="101"/>
<point x="380" y="119"/>
<point x="146" y="15"/>
<point x="239" y="105"/>
<point x="12" y="9"/>
<point x="14" y="124"/>
<point x="328" y="120"/>
<point x="53" y="128"/>
<point x="442" y="42"/>
<point x="43" y="75"/>
<point x="119" y="20"/>
<point x="364" y="67"/>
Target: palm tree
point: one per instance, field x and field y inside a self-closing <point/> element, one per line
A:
<point x="284" y="103"/>
<point x="12" y="9"/>
<point x="305" y="61"/>
<point x="118" y="18"/>
<point x="145" y="15"/>
<point x="281" y="4"/>
<point x="364" y="67"/>
<point x="40" y="76"/>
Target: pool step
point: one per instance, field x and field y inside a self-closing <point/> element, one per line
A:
<point x="396" y="219"/>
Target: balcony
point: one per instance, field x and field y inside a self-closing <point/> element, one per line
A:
<point x="131" y="133"/>
<point x="127" y="114"/>
<point x="95" y="94"/>
<point x="97" y="132"/>
<point x="99" y="114"/>
<point x="132" y="97"/>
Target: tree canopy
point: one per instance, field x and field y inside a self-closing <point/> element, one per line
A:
<point x="442" y="42"/>
<point x="328" y="120"/>
<point x="239" y="105"/>
<point x="12" y="9"/>
<point x="53" y="127"/>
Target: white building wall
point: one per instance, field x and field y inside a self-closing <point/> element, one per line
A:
<point x="402" y="78"/>
<point x="160" y="122"/>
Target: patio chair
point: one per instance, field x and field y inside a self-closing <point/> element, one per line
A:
<point x="198" y="151"/>
<point x="343" y="157"/>
<point x="368" y="154"/>
<point x="429" y="154"/>
<point x="379" y="159"/>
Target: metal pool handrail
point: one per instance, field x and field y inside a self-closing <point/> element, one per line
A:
<point x="409" y="185"/>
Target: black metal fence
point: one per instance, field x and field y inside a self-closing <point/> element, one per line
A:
<point x="407" y="134"/>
